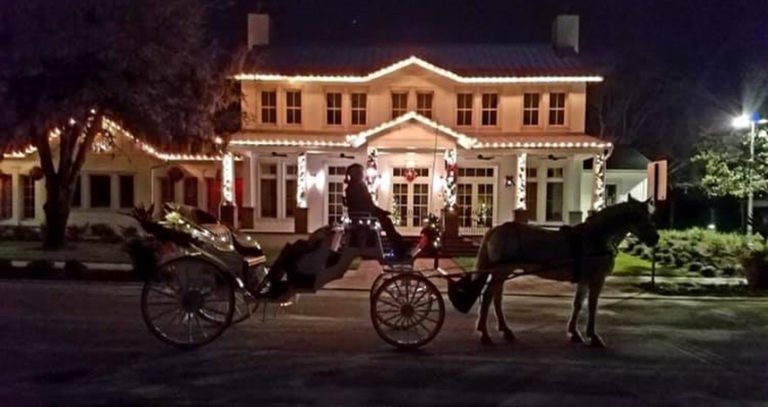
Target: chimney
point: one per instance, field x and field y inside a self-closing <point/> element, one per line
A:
<point x="565" y="34"/>
<point x="258" y="30"/>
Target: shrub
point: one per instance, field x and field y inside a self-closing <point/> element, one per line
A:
<point x="75" y="232"/>
<point x="731" y="270"/>
<point x="694" y="266"/>
<point x="708" y="271"/>
<point x="638" y="250"/>
<point x="105" y="232"/>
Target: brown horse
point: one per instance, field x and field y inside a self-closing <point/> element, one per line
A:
<point x="583" y="254"/>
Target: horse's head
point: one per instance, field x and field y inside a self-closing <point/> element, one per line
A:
<point x="640" y="217"/>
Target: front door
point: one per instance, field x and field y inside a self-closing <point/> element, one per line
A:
<point x="410" y="199"/>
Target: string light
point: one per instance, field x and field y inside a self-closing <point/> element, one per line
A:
<point x="301" y="182"/>
<point x="289" y="143"/>
<point x="372" y="173"/>
<point x="413" y="60"/>
<point x="358" y="139"/>
<point x="227" y="178"/>
<point x="598" y="198"/>
<point x="451" y="172"/>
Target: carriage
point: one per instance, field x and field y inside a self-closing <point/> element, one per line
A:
<point x="207" y="277"/>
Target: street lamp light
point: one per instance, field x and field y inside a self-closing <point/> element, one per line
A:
<point x="742" y="122"/>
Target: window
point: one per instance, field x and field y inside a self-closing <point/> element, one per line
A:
<point x="269" y="107"/>
<point x="190" y="191"/>
<point x="333" y="108"/>
<point x="126" y="191"/>
<point x="464" y="109"/>
<point x="554" y="204"/>
<point x="359" y="105"/>
<point x="268" y="184"/>
<point x="557" y="109"/>
<point x="531" y="109"/>
<point x="6" y="196"/>
<point x="293" y="107"/>
<point x="611" y="194"/>
<point x="336" y="175"/>
<point x="28" y="196"/>
<point x="485" y="205"/>
<point x="475" y="197"/>
<point x="290" y="190"/>
<point x="399" y="103"/>
<point x="101" y="191"/>
<point x="490" y="109"/>
<point x="166" y="190"/>
<point x="424" y="104"/>
<point x="77" y="195"/>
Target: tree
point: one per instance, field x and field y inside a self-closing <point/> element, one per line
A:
<point x="728" y="171"/>
<point x="65" y="65"/>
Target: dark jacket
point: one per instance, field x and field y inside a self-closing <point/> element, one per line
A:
<point x="359" y="199"/>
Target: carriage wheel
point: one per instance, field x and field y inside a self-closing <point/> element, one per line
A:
<point x="245" y="306"/>
<point x="407" y="311"/>
<point x="179" y="294"/>
<point x="378" y="282"/>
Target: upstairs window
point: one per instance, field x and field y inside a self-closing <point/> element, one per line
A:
<point x="359" y="105"/>
<point x="490" y="109"/>
<point x="530" y="109"/>
<point x="293" y="107"/>
<point x="557" y="109"/>
<point x="269" y="107"/>
<point x="424" y="104"/>
<point x="464" y="109"/>
<point x="399" y="103"/>
<point x="333" y="108"/>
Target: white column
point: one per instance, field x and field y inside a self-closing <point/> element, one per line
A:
<point x="301" y="180"/>
<point x="520" y="176"/>
<point x="252" y="188"/>
<point x="598" y="182"/>
<point x="228" y="178"/>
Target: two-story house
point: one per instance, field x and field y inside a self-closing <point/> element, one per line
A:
<point x="488" y="131"/>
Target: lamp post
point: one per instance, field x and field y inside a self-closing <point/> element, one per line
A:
<point x="742" y="122"/>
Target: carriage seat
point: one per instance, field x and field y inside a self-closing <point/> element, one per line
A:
<point x="362" y="230"/>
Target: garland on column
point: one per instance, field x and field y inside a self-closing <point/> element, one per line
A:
<point x="451" y="172"/>
<point x="395" y="212"/>
<point x="372" y="173"/>
<point x="301" y="181"/>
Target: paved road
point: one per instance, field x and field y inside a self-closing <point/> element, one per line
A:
<point x="84" y="344"/>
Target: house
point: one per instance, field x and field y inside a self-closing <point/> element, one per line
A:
<point x="479" y="134"/>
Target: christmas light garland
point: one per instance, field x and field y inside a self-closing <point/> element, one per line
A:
<point x="372" y="176"/>
<point x="451" y="172"/>
<point x="301" y="181"/>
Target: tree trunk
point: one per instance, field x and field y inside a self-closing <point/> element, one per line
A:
<point x="57" y="208"/>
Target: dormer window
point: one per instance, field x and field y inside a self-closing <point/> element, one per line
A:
<point x="359" y="105"/>
<point x="557" y="109"/>
<point x="531" y="109"/>
<point x="490" y="109"/>
<point x="333" y="108"/>
<point x="399" y="103"/>
<point x="424" y="104"/>
<point x="464" y="109"/>
<point x="293" y="107"/>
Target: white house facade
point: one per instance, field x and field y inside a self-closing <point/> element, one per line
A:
<point x="477" y="134"/>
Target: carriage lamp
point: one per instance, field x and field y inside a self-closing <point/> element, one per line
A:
<point x="509" y="181"/>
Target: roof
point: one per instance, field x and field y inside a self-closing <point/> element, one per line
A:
<point x="623" y="158"/>
<point x="475" y="59"/>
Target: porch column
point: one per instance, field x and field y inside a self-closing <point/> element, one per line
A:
<point x="253" y="164"/>
<point x="300" y="216"/>
<point x="450" y="215"/>
<point x="598" y="182"/>
<point x="521" y="212"/>
<point x="227" y="210"/>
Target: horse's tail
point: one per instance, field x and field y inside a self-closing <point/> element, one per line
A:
<point x="465" y="291"/>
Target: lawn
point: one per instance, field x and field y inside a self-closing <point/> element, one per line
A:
<point x="626" y="265"/>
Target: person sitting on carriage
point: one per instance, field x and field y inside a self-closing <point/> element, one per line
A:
<point x="359" y="201"/>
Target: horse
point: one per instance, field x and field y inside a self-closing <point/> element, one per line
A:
<point x="583" y="254"/>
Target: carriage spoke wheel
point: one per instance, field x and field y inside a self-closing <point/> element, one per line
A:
<point x="179" y="301"/>
<point x="378" y="282"/>
<point x="245" y="306"/>
<point x="407" y="311"/>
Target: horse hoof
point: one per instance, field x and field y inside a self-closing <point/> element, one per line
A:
<point x="575" y="337"/>
<point x="509" y="336"/>
<point x="596" y="342"/>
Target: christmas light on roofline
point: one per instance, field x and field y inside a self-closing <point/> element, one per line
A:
<point x="413" y="60"/>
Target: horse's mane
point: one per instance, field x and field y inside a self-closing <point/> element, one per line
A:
<point x="607" y="216"/>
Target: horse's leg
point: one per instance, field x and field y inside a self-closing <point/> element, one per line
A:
<point x="595" y="287"/>
<point x="502" y="322"/>
<point x="578" y="301"/>
<point x="482" y="321"/>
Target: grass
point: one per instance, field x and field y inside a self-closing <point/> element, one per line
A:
<point x="626" y="265"/>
